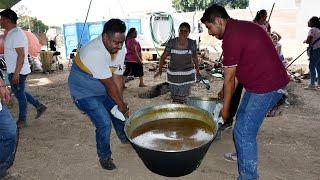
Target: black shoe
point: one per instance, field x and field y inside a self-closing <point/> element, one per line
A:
<point x="11" y="176"/>
<point x="3" y="174"/>
<point x="107" y="164"/>
<point x="225" y="126"/>
<point x="40" y="110"/>
<point x="125" y="141"/>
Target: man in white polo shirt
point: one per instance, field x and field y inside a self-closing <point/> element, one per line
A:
<point x="95" y="84"/>
<point x="18" y="68"/>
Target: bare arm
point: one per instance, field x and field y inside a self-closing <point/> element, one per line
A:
<point x="229" y="86"/>
<point x="19" y="64"/>
<point x="114" y="92"/>
<point x="4" y="92"/>
<point x="221" y="92"/>
<point x="163" y="57"/>
<point x="118" y="80"/>
<point x="308" y="40"/>
<point x="196" y="63"/>
<point x="139" y="55"/>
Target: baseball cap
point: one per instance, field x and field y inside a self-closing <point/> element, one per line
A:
<point x="9" y="14"/>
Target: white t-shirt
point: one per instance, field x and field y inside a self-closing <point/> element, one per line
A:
<point x="16" y="39"/>
<point x="315" y="33"/>
<point x="98" y="60"/>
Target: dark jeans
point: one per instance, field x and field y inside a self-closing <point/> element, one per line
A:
<point x="22" y="96"/>
<point x="98" y="110"/>
<point x="314" y="66"/>
<point x="235" y="101"/>
<point x="8" y="137"/>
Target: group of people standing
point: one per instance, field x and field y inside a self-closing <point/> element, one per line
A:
<point x="96" y="79"/>
<point x="250" y="59"/>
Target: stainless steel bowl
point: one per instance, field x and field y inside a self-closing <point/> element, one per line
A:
<point x="205" y="103"/>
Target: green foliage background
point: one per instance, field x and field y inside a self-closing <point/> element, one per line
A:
<point x="192" y="5"/>
<point x="35" y="25"/>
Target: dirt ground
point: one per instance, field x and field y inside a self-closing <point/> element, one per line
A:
<point x="61" y="144"/>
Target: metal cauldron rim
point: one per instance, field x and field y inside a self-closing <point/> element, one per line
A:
<point x="145" y="108"/>
<point x="204" y="98"/>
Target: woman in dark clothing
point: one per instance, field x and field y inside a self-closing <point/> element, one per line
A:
<point x="183" y="66"/>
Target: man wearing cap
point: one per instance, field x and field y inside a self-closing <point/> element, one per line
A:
<point x="18" y="68"/>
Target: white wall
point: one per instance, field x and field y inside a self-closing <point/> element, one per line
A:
<point x="267" y="4"/>
<point x="306" y="10"/>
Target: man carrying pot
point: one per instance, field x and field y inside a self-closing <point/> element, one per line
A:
<point x="251" y="59"/>
<point x="95" y="84"/>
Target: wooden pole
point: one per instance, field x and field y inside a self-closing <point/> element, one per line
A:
<point x="271" y="12"/>
<point x="295" y="59"/>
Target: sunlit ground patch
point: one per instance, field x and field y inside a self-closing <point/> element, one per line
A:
<point x="39" y="82"/>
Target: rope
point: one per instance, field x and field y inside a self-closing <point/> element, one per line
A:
<point x="155" y="40"/>
<point x="85" y="23"/>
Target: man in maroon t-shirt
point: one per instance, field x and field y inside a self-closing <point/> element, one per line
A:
<point x="250" y="59"/>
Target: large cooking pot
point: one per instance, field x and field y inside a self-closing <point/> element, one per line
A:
<point x="205" y="103"/>
<point x="170" y="163"/>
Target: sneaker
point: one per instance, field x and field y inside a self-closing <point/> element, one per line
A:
<point x="125" y="141"/>
<point x="231" y="157"/>
<point x="310" y="87"/>
<point x="226" y="126"/>
<point x="40" y="110"/>
<point x="107" y="164"/>
<point x="11" y="176"/>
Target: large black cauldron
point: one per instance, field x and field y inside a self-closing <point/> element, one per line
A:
<point x="170" y="163"/>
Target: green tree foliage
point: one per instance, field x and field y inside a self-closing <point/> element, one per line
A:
<point x="32" y="23"/>
<point x="26" y="22"/>
<point x="192" y="5"/>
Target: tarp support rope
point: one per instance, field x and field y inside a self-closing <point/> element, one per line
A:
<point x="85" y="23"/>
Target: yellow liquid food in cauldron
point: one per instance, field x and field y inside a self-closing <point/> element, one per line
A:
<point x="172" y="134"/>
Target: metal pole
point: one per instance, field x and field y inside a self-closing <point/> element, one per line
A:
<point x="271" y="12"/>
<point x="295" y="59"/>
<point x="251" y="12"/>
<point x="85" y="23"/>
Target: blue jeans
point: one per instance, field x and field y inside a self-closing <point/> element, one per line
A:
<point x="250" y="115"/>
<point x="22" y="96"/>
<point x="98" y="109"/>
<point x="8" y="137"/>
<point x="314" y="65"/>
